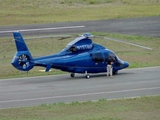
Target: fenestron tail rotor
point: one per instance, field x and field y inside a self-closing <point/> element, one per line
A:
<point x="23" y="61"/>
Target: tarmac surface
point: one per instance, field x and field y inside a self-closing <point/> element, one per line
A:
<point x="32" y="91"/>
<point x="146" y="26"/>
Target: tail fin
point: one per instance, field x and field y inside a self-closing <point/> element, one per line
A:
<point x="22" y="59"/>
<point x="19" y="41"/>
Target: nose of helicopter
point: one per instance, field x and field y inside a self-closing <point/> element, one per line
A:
<point x="126" y="64"/>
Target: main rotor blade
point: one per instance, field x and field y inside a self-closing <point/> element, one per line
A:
<point x="58" y="36"/>
<point x="129" y="43"/>
<point x="61" y="37"/>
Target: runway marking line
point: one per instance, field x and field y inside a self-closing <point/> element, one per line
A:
<point x="79" y="95"/>
<point x="56" y="28"/>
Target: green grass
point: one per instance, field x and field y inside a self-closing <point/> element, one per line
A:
<point x="143" y="108"/>
<point x="18" y="12"/>
<point x="137" y="57"/>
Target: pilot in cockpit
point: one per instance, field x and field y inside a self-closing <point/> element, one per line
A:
<point x="72" y="49"/>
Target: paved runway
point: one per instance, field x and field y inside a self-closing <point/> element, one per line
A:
<point x="63" y="88"/>
<point x="145" y="26"/>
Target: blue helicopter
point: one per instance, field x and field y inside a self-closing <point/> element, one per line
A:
<point x="80" y="56"/>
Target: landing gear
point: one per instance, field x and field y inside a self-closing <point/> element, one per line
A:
<point x="72" y="74"/>
<point x="115" y="72"/>
<point x="87" y="75"/>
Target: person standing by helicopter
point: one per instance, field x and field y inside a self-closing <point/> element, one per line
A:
<point x="110" y="62"/>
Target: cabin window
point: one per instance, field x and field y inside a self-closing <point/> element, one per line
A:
<point x="97" y="57"/>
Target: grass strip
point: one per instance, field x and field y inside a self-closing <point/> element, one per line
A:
<point x="19" y="12"/>
<point x="143" y="108"/>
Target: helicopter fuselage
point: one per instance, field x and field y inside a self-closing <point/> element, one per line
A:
<point x="80" y="56"/>
<point x="92" y="61"/>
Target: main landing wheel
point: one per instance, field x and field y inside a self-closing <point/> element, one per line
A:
<point x="72" y="74"/>
<point x="87" y="76"/>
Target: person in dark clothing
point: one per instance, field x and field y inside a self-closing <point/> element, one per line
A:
<point x="110" y="62"/>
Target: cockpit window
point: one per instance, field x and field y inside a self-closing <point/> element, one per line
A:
<point x="113" y="56"/>
<point x="110" y="54"/>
